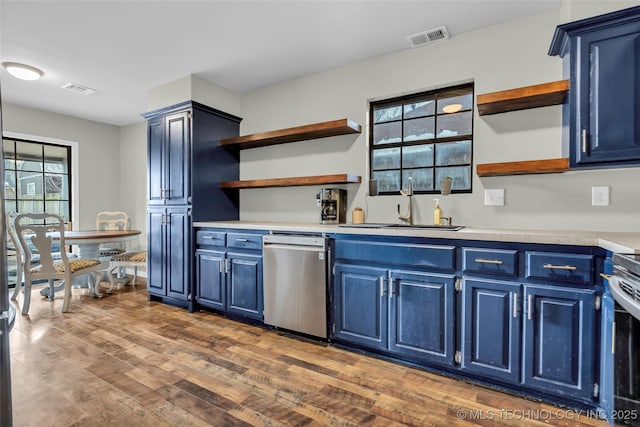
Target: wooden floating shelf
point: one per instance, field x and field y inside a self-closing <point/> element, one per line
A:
<point x="540" y="95"/>
<point x="523" y="168"/>
<point x="299" y="133"/>
<point x="291" y="182"/>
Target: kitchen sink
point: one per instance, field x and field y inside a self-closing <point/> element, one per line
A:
<point x="428" y="226"/>
<point x="407" y="226"/>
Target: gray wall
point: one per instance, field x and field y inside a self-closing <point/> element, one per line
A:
<point x="511" y="54"/>
<point x="505" y="56"/>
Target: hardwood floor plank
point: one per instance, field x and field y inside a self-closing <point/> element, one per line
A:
<point x="122" y="360"/>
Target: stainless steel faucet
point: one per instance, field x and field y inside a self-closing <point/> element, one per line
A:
<point x="408" y="218"/>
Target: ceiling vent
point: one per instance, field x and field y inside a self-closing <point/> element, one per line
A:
<point x="82" y="90"/>
<point x="427" y="37"/>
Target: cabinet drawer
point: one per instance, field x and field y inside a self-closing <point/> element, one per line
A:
<point x="211" y="238"/>
<point x="440" y="257"/>
<point x="490" y="261"/>
<point x="244" y="240"/>
<point x="560" y="267"/>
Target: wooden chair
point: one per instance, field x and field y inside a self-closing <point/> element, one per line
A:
<point x="33" y="229"/>
<point x="134" y="259"/>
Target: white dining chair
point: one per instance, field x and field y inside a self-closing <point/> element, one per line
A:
<point x="132" y="259"/>
<point x="112" y="220"/>
<point x="34" y="234"/>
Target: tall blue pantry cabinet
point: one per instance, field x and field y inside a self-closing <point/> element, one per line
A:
<point x="185" y="165"/>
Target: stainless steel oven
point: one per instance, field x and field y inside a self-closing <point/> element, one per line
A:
<point x="625" y="289"/>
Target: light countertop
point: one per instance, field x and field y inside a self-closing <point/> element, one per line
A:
<point x="621" y="242"/>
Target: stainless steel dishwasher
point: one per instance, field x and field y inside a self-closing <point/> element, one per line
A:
<point x="295" y="285"/>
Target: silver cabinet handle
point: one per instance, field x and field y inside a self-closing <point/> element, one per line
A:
<point x="381" y="280"/>
<point x="242" y="240"/>
<point x="515" y="304"/>
<point x="584" y="140"/>
<point x="207" y="237"/>
<point x="222" y="265"/>
<point x="489" y="261"/>
<point x="390" y="287"/>
<point x="560" y="267"/>
<point x="529" y="307"/>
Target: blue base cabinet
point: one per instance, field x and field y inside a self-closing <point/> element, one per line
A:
<point x="491" y="328"/>
<point x="389" y="308"/>
<point x="228" y="268"/>
<point x="558" y="346"/>
<point x="168" y="257"/>
<point x="523" y="317"/>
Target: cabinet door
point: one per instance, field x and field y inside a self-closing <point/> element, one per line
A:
<point x="491" y="328"/>
<point x="360" y="305"/>
<point x="210" y="283"/>
<point x="178" y="259"/>
<point x="156" y="155"/>
<point x="421" y="316"/>
<point x="155" y="251"/>
<point x="244" y="285"/>
<point x="608" y="88"/>
<point x="177" y="170"/>
<point x="559" y="340"/>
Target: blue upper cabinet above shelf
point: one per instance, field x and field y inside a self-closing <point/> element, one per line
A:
<point x="601" y="55"/>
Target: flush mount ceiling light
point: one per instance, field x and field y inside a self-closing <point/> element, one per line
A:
<point x="452" y="108"/>
<point x="22" y="71"/>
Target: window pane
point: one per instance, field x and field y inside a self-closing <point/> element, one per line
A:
<point x="454" y="124"/>
<point x="10" y="206"/>
<point x="10" y="185"/>
<point x="55" y="187"/>
<point x="30" y="186"/>
<point x="29" y="156"/>
<point x="55" y="159"/>
<point x="388" y="158"/>
<point x="59" y="208"/>
<point x="455" y="101"/>
<point x="461" y="177"/>
<point x="36" y="206"/>
<point x="387" y="133"/>
<point x="9" y="154"/>
<point x="453" y="153"/>
<point x="387" y="113"/>
<point x="418" y="129"/>
<point x="388" y="180"/>
<point x="417" y="156"/>
<point x="422" y="179"/>
<point x="420" y="107"/>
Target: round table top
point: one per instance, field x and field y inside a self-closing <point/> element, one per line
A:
<point x="99" y="234"/>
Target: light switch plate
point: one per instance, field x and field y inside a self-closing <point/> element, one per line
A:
<point x="599" y="196"/>
<point x="494" y="197"/>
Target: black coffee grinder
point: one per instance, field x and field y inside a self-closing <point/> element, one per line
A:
<point x="333" y="205"/>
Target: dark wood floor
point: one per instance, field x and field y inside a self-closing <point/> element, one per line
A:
<point x="121" y="360"/>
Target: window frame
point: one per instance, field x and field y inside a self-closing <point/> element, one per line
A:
<point x="70" y="165"/>
<point x="400" y="101"/>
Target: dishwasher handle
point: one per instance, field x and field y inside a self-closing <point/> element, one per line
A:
<point x="304" y="248"/>
<point x="294" y="240"/>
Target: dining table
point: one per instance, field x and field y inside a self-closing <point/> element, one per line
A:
<point x="88" y="246"/>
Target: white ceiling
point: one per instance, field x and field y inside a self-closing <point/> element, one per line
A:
<point x="125" y="48"/>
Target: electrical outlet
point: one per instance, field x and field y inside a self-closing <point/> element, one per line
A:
<point x="494" y="197"/>
<point x="599" y="196"/>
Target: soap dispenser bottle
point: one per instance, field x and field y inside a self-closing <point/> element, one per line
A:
<point x="437" y="213"/>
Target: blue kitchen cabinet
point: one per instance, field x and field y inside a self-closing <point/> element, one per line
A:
<point x="244" y="285"/>
<point x="360" y="305"/>
<point x="185" y="167"/>
<point x="409" y="313"/>
<point x="559" y="340"/>
<point x="229" y="272"/>
<point x="421" y="316"/>
<point x="210" y="278"/>
<point x="491" y="328"/>
<point x="601" y="57"/>
<point x="169" y="253"/>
